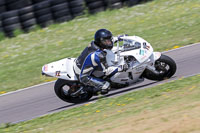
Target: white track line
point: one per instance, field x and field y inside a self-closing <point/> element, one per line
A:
<point x="26" y="88"/>
<point x="190" y="45"/>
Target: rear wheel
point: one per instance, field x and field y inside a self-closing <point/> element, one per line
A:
<point x="72" y="93"/>
<point x="165" y="66"/>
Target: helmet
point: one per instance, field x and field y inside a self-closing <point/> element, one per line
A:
<point x="103" y="39"/>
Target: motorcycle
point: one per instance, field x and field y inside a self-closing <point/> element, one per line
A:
<point x="134" y="51"/>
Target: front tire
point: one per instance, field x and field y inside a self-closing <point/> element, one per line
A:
<point x="63" y="90"/>
<point x="165" y="66"/>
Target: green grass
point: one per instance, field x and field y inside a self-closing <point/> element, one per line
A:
<point x="109" y="113"/>
<point x="164" y="23"/>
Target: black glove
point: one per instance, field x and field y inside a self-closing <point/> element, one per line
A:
<point x="119" y="37"/>
<point x="123" y="68"/>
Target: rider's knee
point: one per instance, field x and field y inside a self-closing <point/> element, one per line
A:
<point x="84" y="79"/>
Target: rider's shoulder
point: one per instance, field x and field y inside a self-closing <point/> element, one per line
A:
<point x="100" y="54"/>
<point x="92" y="45"/>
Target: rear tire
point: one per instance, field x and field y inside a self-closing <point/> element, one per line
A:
<point x="166" y="67"/>
<point x="65" y="95"/>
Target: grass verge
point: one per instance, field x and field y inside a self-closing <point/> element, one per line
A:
<point x="168" y="108"/>
<point x="165" y="24"/>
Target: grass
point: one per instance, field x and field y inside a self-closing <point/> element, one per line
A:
<point x="139" y="111"/>
<point x="164" y="23"/>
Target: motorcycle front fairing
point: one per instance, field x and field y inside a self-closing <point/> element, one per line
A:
<point x="62" y="69"/>
<point x="140" y="50"/>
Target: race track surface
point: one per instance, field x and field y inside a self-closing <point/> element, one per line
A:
<point x="39" y="100"/>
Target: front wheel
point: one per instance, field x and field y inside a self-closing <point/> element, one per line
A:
<point x="71" y="93"/>
<point x="165" y="66"/>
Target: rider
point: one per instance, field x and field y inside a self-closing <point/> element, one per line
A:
<point x="93" y="63"/>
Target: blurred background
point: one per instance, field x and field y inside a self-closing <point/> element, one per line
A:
<point x="26" y="14"/>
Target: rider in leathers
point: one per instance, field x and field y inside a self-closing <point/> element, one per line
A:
<point x="93" y="60"/>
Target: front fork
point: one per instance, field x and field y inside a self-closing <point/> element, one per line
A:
<point x="155" y="56"/>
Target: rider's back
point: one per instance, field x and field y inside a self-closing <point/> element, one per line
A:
<point x="91" y="48"/>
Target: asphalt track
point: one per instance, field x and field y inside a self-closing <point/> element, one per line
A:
<point x="40" y="100"/>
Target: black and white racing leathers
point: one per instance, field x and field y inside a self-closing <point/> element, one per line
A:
<point x="80" y="60"/>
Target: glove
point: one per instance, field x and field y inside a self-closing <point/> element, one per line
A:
<point x="123" y="68"/>
<point x="115" y="39"/>
<point x="120" y="37"/>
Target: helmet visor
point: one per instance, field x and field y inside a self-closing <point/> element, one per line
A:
<point x="107" y="41"/>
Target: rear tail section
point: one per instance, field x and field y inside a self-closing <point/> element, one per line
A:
<point x="62" y="69"/>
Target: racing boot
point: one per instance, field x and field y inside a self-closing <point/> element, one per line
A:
<point x="105" y="88"/>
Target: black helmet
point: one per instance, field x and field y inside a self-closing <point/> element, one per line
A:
<point x="103" y="39"/>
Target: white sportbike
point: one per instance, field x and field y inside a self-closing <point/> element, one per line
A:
<point x="135" y="52"/>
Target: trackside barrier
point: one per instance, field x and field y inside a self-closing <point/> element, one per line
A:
<point x="26" y="14"/>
